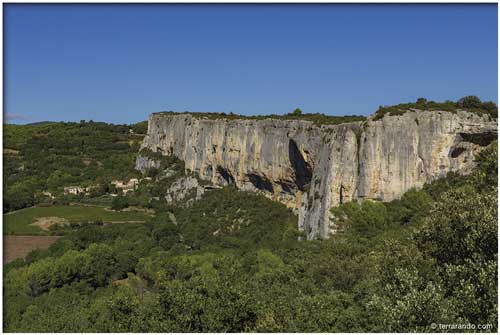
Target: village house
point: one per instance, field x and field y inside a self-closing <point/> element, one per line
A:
<point x="75" y="190"/>
<point x="48" y="194"/>
<point x="131" y="185"/>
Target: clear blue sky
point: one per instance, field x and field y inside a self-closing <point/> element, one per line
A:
<point x="118" y="63"/>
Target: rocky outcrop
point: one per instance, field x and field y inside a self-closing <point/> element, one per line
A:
<point x="143" y="163"/>
<point x="312" y="168"/>
<point x="184" y="191"/>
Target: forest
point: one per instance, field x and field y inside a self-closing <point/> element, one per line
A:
<point x="50" y="155"/>
<point x="235" y="261"/>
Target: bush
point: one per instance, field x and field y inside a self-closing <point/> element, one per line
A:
<point x="119" y="202"/>
<point x="471" y="103"/>
<point x="366" y="218"/>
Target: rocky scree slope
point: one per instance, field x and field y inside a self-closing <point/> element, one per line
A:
<point x="313" y="168"/>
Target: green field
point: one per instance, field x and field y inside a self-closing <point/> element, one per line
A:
<point x="18" y="223"/>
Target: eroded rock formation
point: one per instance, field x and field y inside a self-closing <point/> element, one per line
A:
<point x="312" y="168"/>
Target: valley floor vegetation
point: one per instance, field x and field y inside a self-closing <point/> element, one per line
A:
<point x="41" y="159"/>
<point x="233" y="261"/>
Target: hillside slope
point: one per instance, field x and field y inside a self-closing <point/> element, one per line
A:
<point x="231" y="262"/>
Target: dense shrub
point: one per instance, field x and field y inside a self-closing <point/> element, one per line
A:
<point x="471" y="103"/>
<point x="119" y="202"/>
<point x="317" y="118"/>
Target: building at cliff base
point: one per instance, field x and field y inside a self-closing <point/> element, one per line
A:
<point x="126" y="187"/>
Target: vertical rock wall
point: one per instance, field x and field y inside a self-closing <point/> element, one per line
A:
<point x="312" y="168"/>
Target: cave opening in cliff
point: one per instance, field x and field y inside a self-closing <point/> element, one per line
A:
<point x="302" y="169"/>
<point x="260" y="182"/>
<point x="228" y="177"/>
<point x="455" y="152"/>
<point x="286" y="187"/>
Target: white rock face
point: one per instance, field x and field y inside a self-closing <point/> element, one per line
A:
<point x="311" y="168"/>
<point x="182" y="188"/>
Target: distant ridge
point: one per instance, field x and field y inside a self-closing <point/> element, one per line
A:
<point x="40" y="123"/>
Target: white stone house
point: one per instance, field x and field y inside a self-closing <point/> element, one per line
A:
<point x="74" y="190"/>
<point x="131" y="185"/>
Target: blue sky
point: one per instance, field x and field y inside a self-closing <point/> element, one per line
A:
<point x="119" y="63"/>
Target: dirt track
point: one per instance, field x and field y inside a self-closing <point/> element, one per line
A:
<point x="19" y="246"/>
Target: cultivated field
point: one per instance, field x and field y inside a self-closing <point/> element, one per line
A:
<point x="19" y="246"/>
<point x="37" y="220"/>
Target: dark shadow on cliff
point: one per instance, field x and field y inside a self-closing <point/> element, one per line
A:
<point x="262" y="183"/>
<point x="228" y="177"/>
<point x="302" y="169"/>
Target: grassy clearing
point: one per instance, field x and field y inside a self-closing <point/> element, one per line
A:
<point x="19" y="222"/>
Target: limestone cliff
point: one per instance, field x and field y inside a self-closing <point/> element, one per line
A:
<point x="312" y="168"/>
